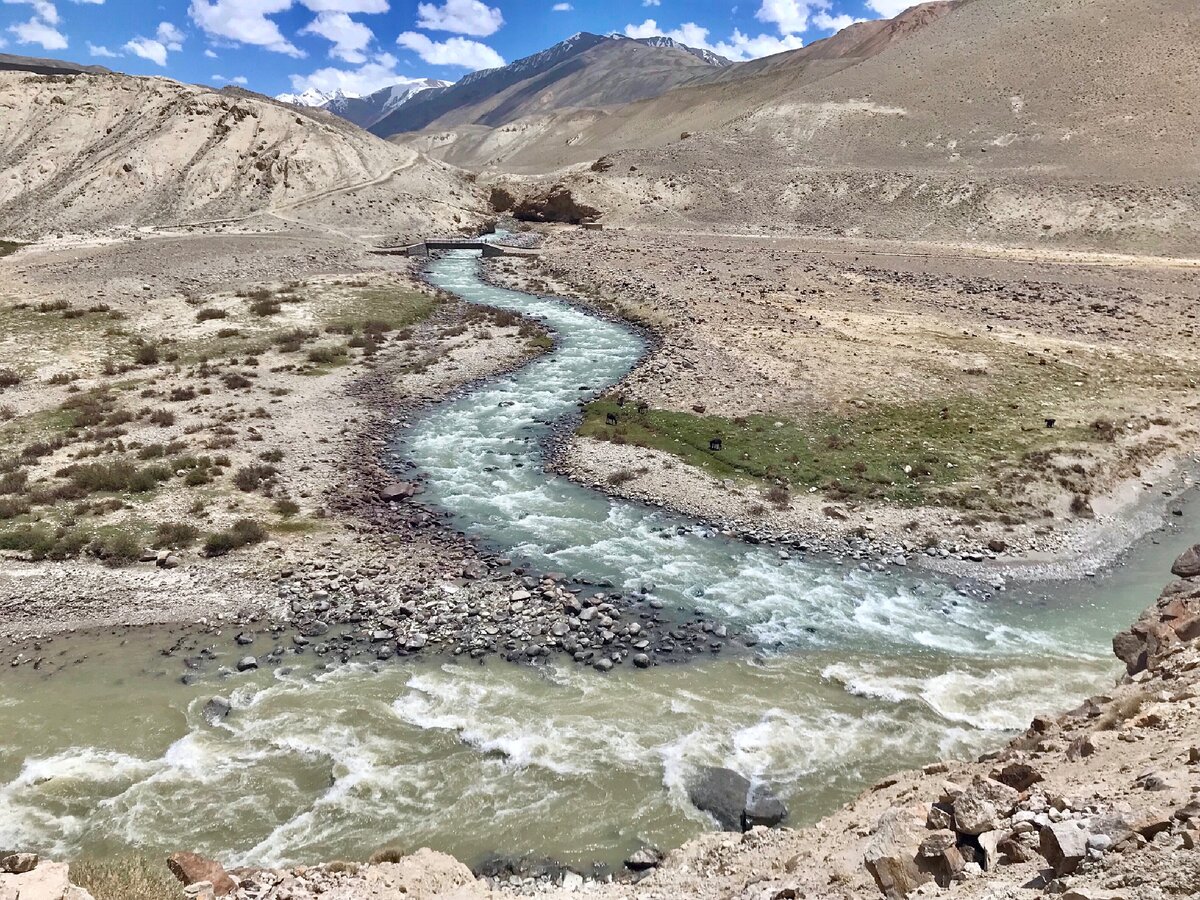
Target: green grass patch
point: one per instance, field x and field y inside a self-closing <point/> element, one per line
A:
<point x="387" y="308"/>
<point x="944" y="445"/>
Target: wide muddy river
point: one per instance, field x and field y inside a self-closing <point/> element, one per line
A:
<point x="857" y="673"/>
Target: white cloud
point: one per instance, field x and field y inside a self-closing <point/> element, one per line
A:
<point x="244" y="21"/>
<point x="42" y="9"/>
<point x="36" y="31"/>
<point x="147" y="48"/>
<point x="169" y="35"/>
<point x="380" y="72"/>
<point x="826" y="22"/>
<point x="652" y="3"/>
<point x="346" y="6"/>
<point x="738" y="46"/>
<point x="562" y="7"/>
<point x="92" y="2"/>
<point x="208" y="51"/>
<point x="455" y="51"/>
<point x="350" y="38"/>
<point x="237" y="79"/>
<point x="460" y="16"/>
<point x="95" y="50"/>
<point x="890" y="8"/>
<point x="789" y="16"/>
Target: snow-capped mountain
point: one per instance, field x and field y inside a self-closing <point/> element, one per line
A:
<point x="584" y="71"/>
<point x="663" y="42"/>
<point x="364" y="111"/>
<point x="312" y="97"/>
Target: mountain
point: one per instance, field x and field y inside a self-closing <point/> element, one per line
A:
<point x="12" y="63"/>
<point x="584" y="71"/>
<point x="937" y="128"/>
<point x="716" y="95"/>
<point x="90" y="152"/>
<point x="366" y="111"/>
<point x="666" y="43"/>
<point x="312" y="97"/>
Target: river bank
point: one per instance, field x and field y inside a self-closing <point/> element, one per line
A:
<point x="929" y="305"/>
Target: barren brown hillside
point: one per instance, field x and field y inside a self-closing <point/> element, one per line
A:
<point x="87" y="152"/>
<point x="1003" y="120"/>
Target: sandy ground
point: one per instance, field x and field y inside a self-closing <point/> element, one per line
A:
<point x="213" y="404"/>
<point x="805" y="330"/>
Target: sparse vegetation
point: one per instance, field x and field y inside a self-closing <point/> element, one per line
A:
<point x="242" y="533"/>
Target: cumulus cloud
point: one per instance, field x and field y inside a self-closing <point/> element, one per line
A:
<point x="350" y="38"/>
<point x="44" y="10"/>
<point x="380" y="72"/>
<point x="147" y="48"/>
<point x="454" y="51"/>
<point x="169" y="35"/>
<point x="461" y="17"/>
<point x="40" y="28"/>
<point x="890" y="8"/>
<point x="827" y="22"/>
<point x="737" y="47"/>
<point x="346" y="6"/>
<point x="100" y="51"/>
<point x="244" y="21"/>
<point x="36" y="31"/>
<point x="562" y="7"/>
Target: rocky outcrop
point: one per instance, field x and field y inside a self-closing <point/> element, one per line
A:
<point x="192" y="868"/>
<point x="1172" y="620"/>
<point x="25" y="877"/>
<point x="557" y="204"/>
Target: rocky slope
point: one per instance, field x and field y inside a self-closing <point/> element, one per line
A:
<point x="1086" y="137"/>
<point x="87" y="152"/>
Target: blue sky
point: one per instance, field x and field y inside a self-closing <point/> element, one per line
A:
<point x="361" y="45"/>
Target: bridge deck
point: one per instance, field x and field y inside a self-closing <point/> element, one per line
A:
<point x="424" y="248"/>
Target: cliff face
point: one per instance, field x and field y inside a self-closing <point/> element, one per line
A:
<point x="1098" y="803"/>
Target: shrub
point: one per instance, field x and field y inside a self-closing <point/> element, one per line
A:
<point x="36" y="540"/>
<point x="174" y="535"/>
<point x="116" y="477"/>
<point x="248" y="478"/>
<point x="778" y="496"/>
<point x="11" y="507"/>
<point x="209" y="312"/>
<point x="163" y="418"/>
<point x="131" y="878"/>
<point x="235" y="382"/>
<point x="117" y="547"/>
<point x="271" y="456"/>
<point x="145" y="355"/>
<point x="326" y="355"/>
<point x="14" y="482"/>
<point x="9" y="378"/>
<point x="286" y="508"/>
<point x="266" y="307"/>
<point x="242" y="533"/>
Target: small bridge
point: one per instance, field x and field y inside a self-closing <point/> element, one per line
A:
<point x="426" y="247"/>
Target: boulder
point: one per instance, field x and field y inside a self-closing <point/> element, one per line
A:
<point x="1188" y="563"/>
<point x="722" y="793"/>
<point x="216" y="709"/>
<point x="763" y="808"/>
<point x="191" y="868"/>
<point x="1064" y="844"/>
<point x="18" y="863"/>
<point x="890" y="856"/>
<point x="641" y="860"/>
<point x="399" y="490"/>
<point x="981" y="806"/>
<point x="46" y="881"/>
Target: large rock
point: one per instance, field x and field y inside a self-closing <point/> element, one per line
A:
<point x="48" y="881"/>
<point x="1064" y="844"/>
<point x="18" y="863"/>
<point x="722" y="793"/>
<point x="191" y="868"/>
<point x="981" y="806"/>
<point x="891" y="854"/>
<point x="1188" y="563"/>
<point x="730" y="798"/>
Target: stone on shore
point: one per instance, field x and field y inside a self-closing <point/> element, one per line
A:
<point x="17" y="863"/>
<point x="45" y="881"/>
<point x="1188" y="563"/>
<point x="191" y="868"/>
<point x="1064" y="844"/>
<point x="889" y="856"/>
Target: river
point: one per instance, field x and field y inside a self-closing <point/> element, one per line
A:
<point x="856" y="673"/>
